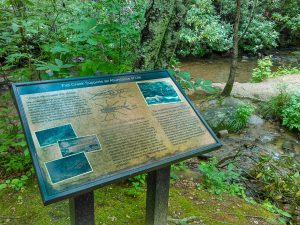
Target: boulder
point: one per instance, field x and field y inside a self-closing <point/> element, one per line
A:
<point x="217" y="115"/>
<point x="255" y="120"/>
<point x="232" y="102"/>
<point x="223" y="133"/>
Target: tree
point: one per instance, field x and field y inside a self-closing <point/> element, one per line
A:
<point x="236" y="38"/>
<point x="159" y="37"/>
<point x="229" y="85"/>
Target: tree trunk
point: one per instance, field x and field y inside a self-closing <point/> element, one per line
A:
<point x="234" y="61"/>
<point x="171" y="37"/>
<point x="159" y="37"/>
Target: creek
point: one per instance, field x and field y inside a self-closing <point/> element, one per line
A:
<point x="216" y="68"/>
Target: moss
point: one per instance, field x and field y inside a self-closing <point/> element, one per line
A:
<point x="114" y="206"/>
<point x="213" y="209"/>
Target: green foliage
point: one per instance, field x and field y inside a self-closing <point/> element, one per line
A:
<point x="185" y="81"/>
<point x="208" y="28"/>
<point x="17" y="183"/>
<point x="284" y="70"/>
<point x="287" y="18"/>
<point x="181" y="166"/>
<point x="218" y="181"/>
<point x="204" y="30"/>
<point x="272" y="208"/>
<point x="57" y="69"/>
<point x="291" y="113"/>
<point x="263" y="70"/>
<point x="273" y="108"/>
<point x="280" y="180"/>
<point x="261" y="34"/>
<point x="137" y="184"/>
<point x="240" y="118"/>
<point x="103" y="36"/>
<point x="70" y="38"/>
<point x="284" y="107"/>
<point x="15" y="163"/>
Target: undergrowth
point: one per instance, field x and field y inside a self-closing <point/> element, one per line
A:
<point x="284" y="107"/>
<point x="279" y="179"/>
<point x="240" y="118"/>
<point x="218" y="181"/>
<point x="278" y="182"/>
<point x="263" y="70"/>
<point x="15" y="163"/>
<point x="137" y="183"/>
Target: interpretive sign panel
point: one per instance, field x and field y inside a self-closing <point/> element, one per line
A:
<point x="86" y="132"/>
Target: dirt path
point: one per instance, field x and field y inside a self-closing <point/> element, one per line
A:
<point x="265" y="90"/>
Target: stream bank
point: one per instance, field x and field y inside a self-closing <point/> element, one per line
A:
<point x="260" y="138"/>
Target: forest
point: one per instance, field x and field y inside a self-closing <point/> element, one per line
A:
<point x="239" y="63"/>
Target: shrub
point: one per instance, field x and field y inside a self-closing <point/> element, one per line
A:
<point x="240" y="118"/>
<point x="284" y="107"/>
<point x="219" y="181"/>
<point x="273" y="108"/>
<point x="284" y="70"/>
<point x="291" y="113"/>
<point x="263" y="70"/>
<point x="181" y="166"/>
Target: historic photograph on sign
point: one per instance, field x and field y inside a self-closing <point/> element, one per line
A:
<point x="52" y="135"/>
<point x="160" y="92"/>
<point x="80" y="144"/>
<point x="68" y="167"/>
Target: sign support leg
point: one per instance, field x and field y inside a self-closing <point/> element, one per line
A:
<point x="158" y="183"/>
<point x="82" y="209"/>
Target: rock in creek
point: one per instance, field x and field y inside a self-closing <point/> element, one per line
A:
<point x="268" y="137"/>
<point x="288" y="146"/>
<point x="255" y="120"/>
<point x="217" y="115"/>
<point x="223" y="133"/>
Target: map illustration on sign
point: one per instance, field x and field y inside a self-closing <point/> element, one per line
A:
<point x="86" y="132"/>
<point x="115" y="109"/>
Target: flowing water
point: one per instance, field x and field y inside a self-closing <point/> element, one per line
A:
<point x="217" y="68"/>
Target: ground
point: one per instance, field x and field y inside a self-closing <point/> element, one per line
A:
<point x="113" y="206"/>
